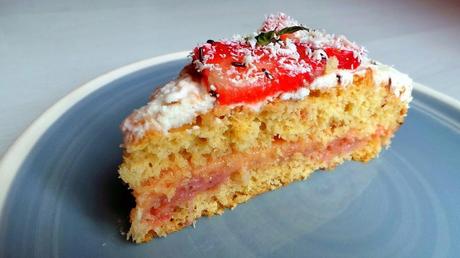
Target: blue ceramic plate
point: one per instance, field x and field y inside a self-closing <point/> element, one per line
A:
<point x="60" y="195"/>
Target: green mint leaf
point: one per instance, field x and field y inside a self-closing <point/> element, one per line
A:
<point x="264" y="38"/>
<point x="289" y="30"/>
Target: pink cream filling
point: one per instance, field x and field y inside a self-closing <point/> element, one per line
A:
<point x="161" y="209"/>
<point x="185" y="193"/>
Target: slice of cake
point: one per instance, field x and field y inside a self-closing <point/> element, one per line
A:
<point x="251" y="114"/>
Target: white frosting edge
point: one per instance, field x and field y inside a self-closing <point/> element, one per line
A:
<point x="341" y="78"/>
<point x="175" y="104"/>
<point x="400" y="83"/>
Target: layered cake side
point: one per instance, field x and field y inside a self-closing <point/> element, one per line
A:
<point x="252" y="114"/>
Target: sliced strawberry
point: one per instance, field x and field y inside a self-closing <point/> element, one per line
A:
<point x="346" y="58"/>
<point x="228" y="73"/>
<point x="234" y="81"/>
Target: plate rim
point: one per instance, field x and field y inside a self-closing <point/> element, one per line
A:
<point x="18" y="151"/>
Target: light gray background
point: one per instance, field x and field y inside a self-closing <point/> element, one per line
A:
<point x="48" y="48"/>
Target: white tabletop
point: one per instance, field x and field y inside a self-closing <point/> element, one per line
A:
<point x="48" y="48"/>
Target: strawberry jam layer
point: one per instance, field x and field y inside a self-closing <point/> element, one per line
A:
<point x="185" y="193"/>
<point x="161" y="210"/>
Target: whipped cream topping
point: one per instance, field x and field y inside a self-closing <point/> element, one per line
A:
<point x="171" y="106"/>
<point x="400" y="83"/>
<point x="341" y="78"/>
<point x="180" y="101"/>
<point x="299" y="94"/>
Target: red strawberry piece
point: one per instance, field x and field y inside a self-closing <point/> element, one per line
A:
<point x="235" y="72"/>
<point x="347" y="59"/>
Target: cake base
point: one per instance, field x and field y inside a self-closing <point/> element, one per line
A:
<point x="228" y="155"/>
<point x="247" y="183"/>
